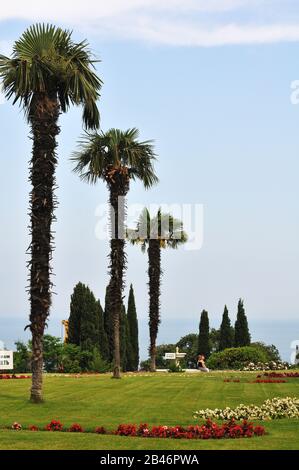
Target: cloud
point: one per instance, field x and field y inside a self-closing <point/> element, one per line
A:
<point x="203" y="23"/>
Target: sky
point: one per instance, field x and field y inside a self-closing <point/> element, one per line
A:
<point x="210" y="82"/>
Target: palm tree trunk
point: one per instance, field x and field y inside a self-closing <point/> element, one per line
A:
<point x="154" y="273"/>
<point x="44" y="113"/>
<point x="117" y="267"/>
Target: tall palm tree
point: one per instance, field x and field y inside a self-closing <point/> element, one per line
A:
<point x="46" y="74"/>
<point x="157" y="233"/>
<point x="116" y="157"/>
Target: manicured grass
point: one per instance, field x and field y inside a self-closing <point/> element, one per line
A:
<point x="168" y="399"/>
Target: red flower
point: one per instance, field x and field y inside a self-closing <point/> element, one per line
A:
<point x="76" y="428"/>
<point x="32" y="428"/>
<point x="100" y="430"/>
<point x="54" y="425"/>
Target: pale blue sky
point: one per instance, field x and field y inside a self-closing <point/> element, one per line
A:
<point x="217" y="103"/>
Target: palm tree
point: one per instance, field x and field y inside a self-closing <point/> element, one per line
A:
<point x="161" y="231"/>
<point x="46" y="74"/>
<point x="116" y="157"/>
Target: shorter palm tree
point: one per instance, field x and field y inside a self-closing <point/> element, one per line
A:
<point x="160" y="232"/>
<point x="116" y="157"/>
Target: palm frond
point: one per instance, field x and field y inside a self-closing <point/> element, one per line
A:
<point x="46" y="60"/>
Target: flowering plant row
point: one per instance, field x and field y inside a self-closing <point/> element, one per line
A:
<point x="269" y="381"/>
<point x="266" y="366"/>
<point x="289" y="375"/>
<point x="209" y="430"/>
<point x="258" y="381"/>
<point x="271" y="409"/>
<point x="13" y="376"/>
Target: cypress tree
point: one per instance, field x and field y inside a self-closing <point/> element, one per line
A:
<point x="108" y="324"/>
<point x="226" y="339"/>
<point x="124" y="346"/>
<point x="84" y="318"/>
<point x="103" y="340"/>
<point x="242" y="335"/>
<point x="76" y="307"/>
<point x="89" y="328"/>
<point x="133" y="356"/>
<point x="203" y="338"/>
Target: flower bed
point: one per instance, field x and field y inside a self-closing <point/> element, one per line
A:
<point x="268" y="381"/>
<point x="251" y="366"/>
<point x="289" y="375"/>
<point x="209" y="430"/>
<point x="13" y="376"/>
<point x="270" y="409"/>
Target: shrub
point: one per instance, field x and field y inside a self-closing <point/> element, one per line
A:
<point x="174" y="368"/>
<point x="236" y="358"/>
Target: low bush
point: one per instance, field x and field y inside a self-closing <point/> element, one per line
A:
<point x="236" y="358"/>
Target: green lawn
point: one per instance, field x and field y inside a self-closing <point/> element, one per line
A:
<point x="155" y="399"/>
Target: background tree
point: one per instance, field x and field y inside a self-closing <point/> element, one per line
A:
<point x="189" y="345"/>
<point x="242" y="335"/>
<point x="133" y="357"/>
<point x="203" y="337"/>
<point x="46" y="73"/>
<point x="226" y="339"/>
<point x="76" y="306"/>
<point x="103" y="340"/>
<point x="214" y="339"/>
<point x="84" y="320"/>
<point x="116" y="157"/>
<point x="161" y="231"/>
<point x="108" y="324"/>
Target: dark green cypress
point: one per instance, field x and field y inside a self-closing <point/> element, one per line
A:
<point x="76" y="307"/>
<point x="133" y="353"/>
<point x="103" y="340"/>
<point x="226" y="339"/>
<point x="203" y="338"/>
<point x="83" y="319"/>
<point x="108" y="324"/>
<point x="242" y="335"/>
<point x="89" y="332"/>
<point x="124" y="339"/>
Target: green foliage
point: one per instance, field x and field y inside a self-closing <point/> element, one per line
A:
<point x="189" y="345"/>
<point x="214" y="339"/>
<point x="108" y="324"/>
<point x="46" y="58"/>
<point x="53" y="348"/>
<point x="100" y="152"/>
<point x="85" y="318"/>
<point x="174" y="368"/>
<point x="203" y="337"/>
<point x="125" y="347"/>
<point x="235" y="358"/>
<point x="226" y="337"/>
<point x="161" y="350"/>
<point x="98" y="364"/>
<point x="22" y="358"/>
<point x="103" y="339"/>
<point x="270" y="350"/>
<point x="133" y="354"/>
<point x="242" y="335"/>
<point x="145" y="365"/>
